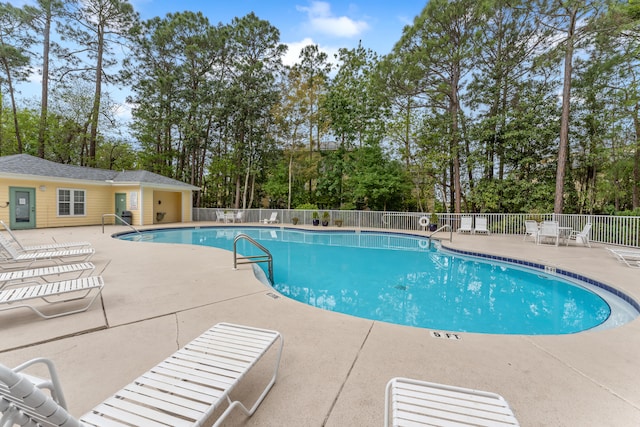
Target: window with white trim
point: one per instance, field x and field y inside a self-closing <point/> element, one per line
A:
<point x="71" y="202"/>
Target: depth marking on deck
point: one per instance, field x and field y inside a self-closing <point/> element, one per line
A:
<point x="448" y="335"/>
<point x="272" y="295"/>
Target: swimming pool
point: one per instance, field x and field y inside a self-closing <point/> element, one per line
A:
<point x="400" y="279"/>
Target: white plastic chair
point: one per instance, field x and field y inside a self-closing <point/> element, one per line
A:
<point x="466" y="225"/>
<point x="581" y="236"/>
<point x="531" y="229"/>
<point x="549" y="230"/>
<point x="273" y="219"/>
<point x="481" y="226"/>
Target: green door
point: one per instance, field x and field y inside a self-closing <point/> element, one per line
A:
<point x="22" y="208"/>
<point x="121" y="206"/>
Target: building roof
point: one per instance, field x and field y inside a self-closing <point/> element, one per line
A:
<point x="24" y="164"/>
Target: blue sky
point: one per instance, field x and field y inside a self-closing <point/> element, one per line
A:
<point x="329" y="24"/>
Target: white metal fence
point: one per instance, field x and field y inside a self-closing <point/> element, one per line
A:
<point x="606" y="229"/>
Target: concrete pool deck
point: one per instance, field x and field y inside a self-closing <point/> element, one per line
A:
<point x="334" y="367"/>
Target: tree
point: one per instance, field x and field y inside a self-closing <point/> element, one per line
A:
<point x="14" y="61"/>
<point x="41" y="20"/>
<point x="356" y="117"/>
<point x="97" y="26"/>
<point x="378" y="183"/>
<point x="310" y="76"/>
<point x="256" y="59"/>
<point x="571" y="21"/>
<point x="440" y="43"/>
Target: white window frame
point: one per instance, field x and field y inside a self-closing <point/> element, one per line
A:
<point x="72" y="202"/>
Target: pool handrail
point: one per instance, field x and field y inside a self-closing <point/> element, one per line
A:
<point x="253" y="259"/>
<point x="121" y="220"/>
<point x="440" y="229"/>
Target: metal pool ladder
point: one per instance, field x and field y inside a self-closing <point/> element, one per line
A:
<point x="254" y="259"/>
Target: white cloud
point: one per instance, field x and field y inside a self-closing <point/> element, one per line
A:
<point x="293" y="53"/>
<point x="322" y="20"/>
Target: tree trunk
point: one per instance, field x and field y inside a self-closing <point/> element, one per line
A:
<point x="44" y="103"/>
<point x="95" y="110"/>
<point x="14" y="109"/>
<point x="636" y="159"/>
<point x="563" y="150"/>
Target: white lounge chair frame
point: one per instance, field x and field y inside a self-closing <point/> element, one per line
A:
<point x="481" y="226"/>
<point x="466" y="225"/>
<point x="53" y="294"/>
<point x="412" y="402"/>
<point x="42" y="274"/>
<point x="628" y="256"/>
<point x="15" y="256"/>
<point x="183" y="390"/>
<point x="42" y="247"/>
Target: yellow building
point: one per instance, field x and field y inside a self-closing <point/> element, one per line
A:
<point x="38" y="193"/>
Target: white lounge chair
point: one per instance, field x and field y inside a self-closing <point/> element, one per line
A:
<point x="220" y="216"/>
<point x="549" y="230"/>
<point x="531" y="229"/>
<point x="239" y="216"/>
<point x="10" y="255"/>
<point x="183" y="390"/>
<point x="413" y="402"/>
<point x="628" y="256"/>
<point x="42" y="247"/>
<point x="466" y="225"/>
<point x="273" y="219"/>
<point x="39" y="275"/>
<point x="481" y="226"/>
<point x="581" y="236"/>
<point x="53" y="294"/>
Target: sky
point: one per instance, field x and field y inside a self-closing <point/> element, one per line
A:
<point x="329" y="24"/>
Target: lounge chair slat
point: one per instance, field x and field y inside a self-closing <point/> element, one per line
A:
<point x="186" y="389"/>
<point x="185" y="374"/>
<point x="412" y="402"/>
<point x="175" y="404"/>
<point x="130" y="414"/>
<point x="97" y="420"/>
<point x="205" y="364"/>
<point x="205" y="370"/>
<point x="458" y="412"/>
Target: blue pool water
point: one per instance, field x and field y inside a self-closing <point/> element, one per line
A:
<point x="399" y="279"/>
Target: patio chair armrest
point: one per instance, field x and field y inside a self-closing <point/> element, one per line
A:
<point x="52" y="383"/>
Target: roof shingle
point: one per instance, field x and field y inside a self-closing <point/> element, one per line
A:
<point x="24" y="164"/>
